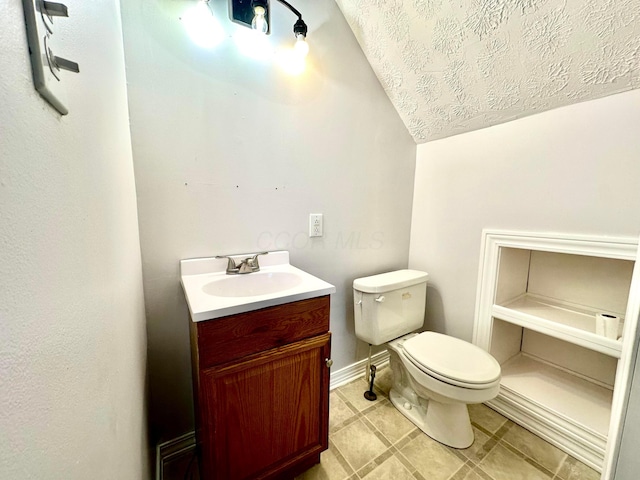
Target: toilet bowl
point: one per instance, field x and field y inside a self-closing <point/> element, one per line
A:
<point x="435" y="399"/>
<point x="435" y="376"/>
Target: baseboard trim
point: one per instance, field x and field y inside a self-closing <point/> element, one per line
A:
<point x="357" y="370"/>
<point x="186" y="444"/>
<point x="171" y="449"/>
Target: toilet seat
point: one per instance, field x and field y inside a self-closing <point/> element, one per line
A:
<point x="452" y="360"/>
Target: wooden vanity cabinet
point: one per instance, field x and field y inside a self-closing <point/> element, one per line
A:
<point x="261" y="389"/>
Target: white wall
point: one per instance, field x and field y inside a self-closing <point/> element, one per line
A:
<point x="572" y="170"/>
<point x="232" y="155"/>
<point x="72" y="338"/>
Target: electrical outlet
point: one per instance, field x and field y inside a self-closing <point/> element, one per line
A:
<point x="315" y="225"/>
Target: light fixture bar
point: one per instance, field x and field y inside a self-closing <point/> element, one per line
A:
<point x="243" y="13"/>
<point x="255" y="15"/>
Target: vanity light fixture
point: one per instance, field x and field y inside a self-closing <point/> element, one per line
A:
<point x="255" y="14"/>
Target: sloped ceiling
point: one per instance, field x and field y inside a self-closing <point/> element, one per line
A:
<point x="451" y="66"/>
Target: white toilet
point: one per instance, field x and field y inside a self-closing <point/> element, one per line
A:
<point x="434" y="376"/>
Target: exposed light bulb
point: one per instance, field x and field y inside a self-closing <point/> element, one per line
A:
<point x="301" y="46"/>
<point x="291" y="61"/>
<point x="203" y="28"/>
<point x="253" y="44"/>
<point x="259" y="22"/>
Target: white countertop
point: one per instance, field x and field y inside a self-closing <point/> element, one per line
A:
<point x="199" y="274"/>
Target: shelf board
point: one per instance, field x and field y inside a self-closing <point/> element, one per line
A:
<point x="568" y="322"/>
<point x="571" y="398"/>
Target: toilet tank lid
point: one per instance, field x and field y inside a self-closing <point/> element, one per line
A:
<point x="385" y="282"/>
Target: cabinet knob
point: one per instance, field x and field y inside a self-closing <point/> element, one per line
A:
<point x="329" y="362"/>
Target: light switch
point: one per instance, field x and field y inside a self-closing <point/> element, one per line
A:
<point x="46" y="53"/>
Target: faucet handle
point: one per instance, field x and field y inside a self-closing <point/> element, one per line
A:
<point x="253" y="261"/>
<point x="246" y="265"/>
<point x="231" y="263"/>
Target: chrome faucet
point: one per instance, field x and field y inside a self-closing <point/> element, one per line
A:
<point x="247" y="265"/>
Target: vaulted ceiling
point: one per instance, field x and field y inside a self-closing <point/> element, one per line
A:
<point x="451" y="66"/>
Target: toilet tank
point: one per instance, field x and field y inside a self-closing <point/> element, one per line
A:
<point x="389" y="305"/>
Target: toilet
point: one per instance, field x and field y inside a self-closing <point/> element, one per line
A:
<point x="435" y="376"/>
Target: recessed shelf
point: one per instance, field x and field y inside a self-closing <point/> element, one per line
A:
<point x="569" y="322"/>
<point x="585" y="405"/>
<point x="538" y="296"/>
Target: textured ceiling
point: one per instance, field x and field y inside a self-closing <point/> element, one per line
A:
<point x="454" y="66"/>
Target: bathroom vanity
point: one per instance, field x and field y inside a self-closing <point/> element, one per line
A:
<point x="538" y="297"/>
<point x="261" y="373"/>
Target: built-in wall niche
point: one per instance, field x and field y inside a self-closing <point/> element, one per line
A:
<point x="572" y="385"/>
<point x="561" y="294"/>
<point x="538" y="297"/>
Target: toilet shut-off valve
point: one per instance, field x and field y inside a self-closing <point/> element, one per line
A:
<point x="370" y="395"/>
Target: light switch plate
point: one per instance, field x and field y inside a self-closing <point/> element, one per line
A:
<point x="43" y="48"/>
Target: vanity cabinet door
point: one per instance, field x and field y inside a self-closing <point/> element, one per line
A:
<point x="267" y="415"/>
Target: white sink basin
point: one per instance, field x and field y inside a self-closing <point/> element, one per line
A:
<point x="252" y="284"/>
<point x="211" y="293"/>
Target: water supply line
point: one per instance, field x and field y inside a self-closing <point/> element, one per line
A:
<point x="370" y="376"/>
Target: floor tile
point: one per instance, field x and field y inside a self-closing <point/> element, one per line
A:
<point x="502" y="464"/>
<point x="354" y="393"/>
<point x="339" y="412"/>
<point x="468" y="472"/>
<point x="358" y="444"/>
<point x="481" y="446"/>
<point x="390" y="422"/>
<point x="572" y="469"/>
<point x="376" y="462"/>
<point x="486" y="418"/>
<point x="462" y="473"/>
<point x="431" y="459"/>
<point x="474" y="475"/>
<point x="535" y="447"/>
<point x="392" y="468"/>
<point x="329" y="468"/>
<point x="477" y="474"/>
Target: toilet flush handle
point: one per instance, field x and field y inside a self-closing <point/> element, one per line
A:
<point x="380" y="299"/>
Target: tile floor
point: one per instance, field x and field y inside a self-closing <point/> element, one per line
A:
<point x="373" y="441"/>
